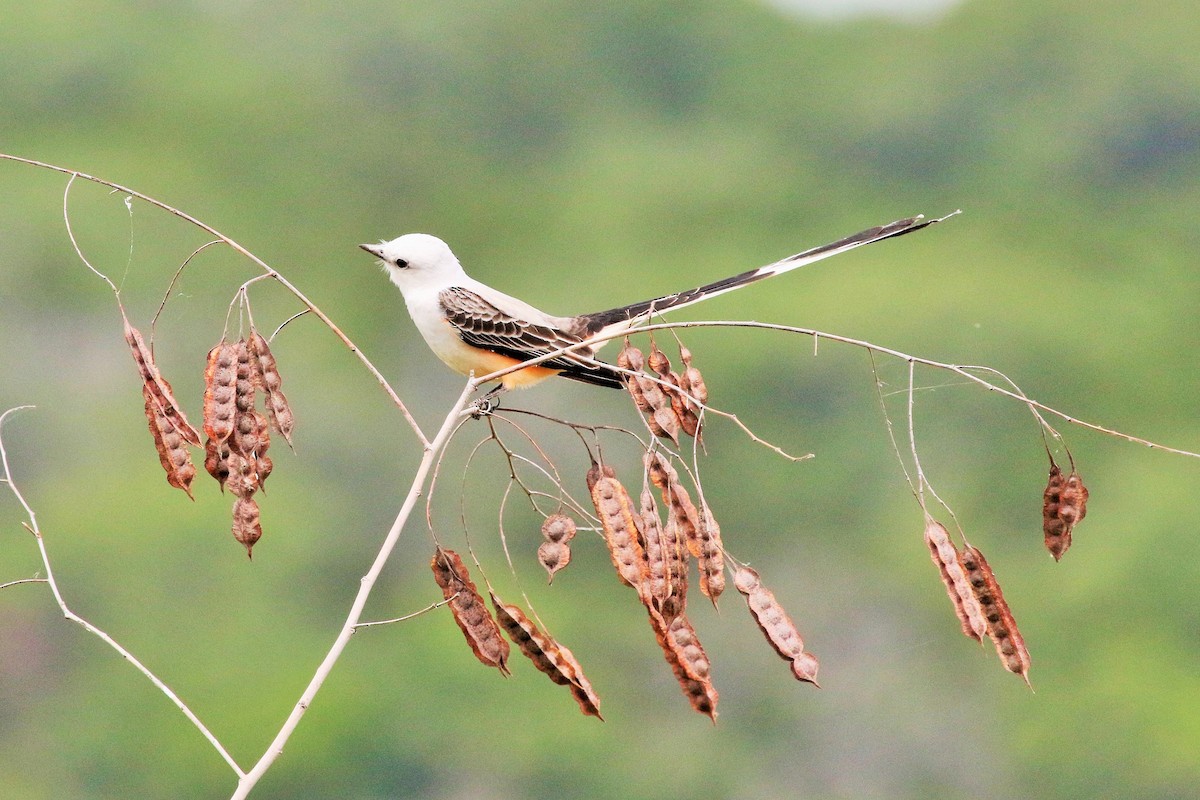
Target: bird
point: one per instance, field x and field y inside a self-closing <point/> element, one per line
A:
<point x="477" y="330"/>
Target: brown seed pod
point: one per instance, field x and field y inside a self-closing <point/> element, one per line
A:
<point x="776" y="625"/>
<point x="546" y="654"/>
<point x="555" y="553"/>
<point x="691" y="375"/>
<point x="688" y="661"/>
<point x="279" y="412"/>
<point x="683" y="510"/>
<point x="217" y="460"/>
<point x="247" y="377"/>
<point x="558" y="528"/>
<point x="1064" y="504"/>
<point x="614" y="507"/>
<point x="247" y="527"/>
<point x="665" y="588"/>
<point x="945" y="558"/>
<point x="158" y="387"/>
<point x="242" y="480"/>
<point x="553" y="556"/>
<point x="596" y="472"/>
<point x="251" y="435"/>
<point x="1001" y="626"/>
<point x="681" y="406"/>
<point x="630" y="358"/>
<point x="220" y="384"/>
<point x="172" y="451"/>
<point x="712" y="557"/>
<point x="469" y="610"/>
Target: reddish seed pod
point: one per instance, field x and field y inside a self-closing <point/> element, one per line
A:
<point x="614" y="507"/>
<point x="695" y="381"/>
<point x="247" y="527"/>
<point x="553" y="556"/>
<point x="945" y="557"/>
<point x="217" y="460"/>
<point x="279" y="412"/>
<point x="247" y="378"/>
<point x="558" y="528"/>
<point x="169" y="443"/>
<point x="776" y="625"/>
<point x="1064" y="504"/>
<point x="712" y="556"/>
<point x="220" y="385"/>
<point x="158" y="386"/>
<point x="469" y="611"/>
<point x="687" y="660"/>
<point x="1001" y="626"/>
<point x="550" y="658"/>
<point x="630" y="358"/>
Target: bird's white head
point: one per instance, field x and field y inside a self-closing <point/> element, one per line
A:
<point x="417" y="261"/>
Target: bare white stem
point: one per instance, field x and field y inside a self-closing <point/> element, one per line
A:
<point x="89" y="627"/>
<point x="353" y="619"/>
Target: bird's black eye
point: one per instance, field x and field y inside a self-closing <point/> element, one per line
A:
<point x="401" y="263"/>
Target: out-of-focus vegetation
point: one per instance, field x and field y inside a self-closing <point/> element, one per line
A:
<point x="582" y="155"/>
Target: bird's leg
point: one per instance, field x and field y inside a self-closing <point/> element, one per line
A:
<point x="489" y="402"/>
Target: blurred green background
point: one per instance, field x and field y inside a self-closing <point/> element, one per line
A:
<point x="582" y="155"/>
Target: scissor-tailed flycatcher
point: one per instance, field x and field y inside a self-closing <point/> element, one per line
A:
<point x="475" y="328"/>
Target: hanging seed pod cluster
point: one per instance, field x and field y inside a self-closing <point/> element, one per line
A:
<point x="237" y="434"/>
<point x="670" y="401"/>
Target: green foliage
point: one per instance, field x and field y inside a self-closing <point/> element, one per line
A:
<point x="583" y="155"/>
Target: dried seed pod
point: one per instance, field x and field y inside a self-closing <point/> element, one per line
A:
<point x="265" y="465"/>
<point x="683" y="510"/>
<point x="217" y="460"/>
<point x="247" y="527"/>
<point x="251" y="435"/>
<point x="469" y="610"/>
<point x="168" y="441"/>
<point x="596" y="472"/>
<point x="945" y="558"/>
<point x="630" y="358"/>
<point x="1064" y="503"/>
<point x="158" y="387"/>
<point x="553" y="556"/>
<point x="278" y="411"/>
<point x="688" y="661"/>
<point x="247" y="377"/>
<point x="775" y="624"/>
<point x="615" y="510"/>
<point x="711" y="557"/>
<point x="558" y="528"/>
<point x="547" y="655"/>
<point x="220" y="384"/>
<point x="1001" y="626"/>
<point x="665" y="588"/>
<point x="695" y="381"/>
<point x="242" y="480"/>
<point x="680" y="403"/>
<point x="663" y="420"/>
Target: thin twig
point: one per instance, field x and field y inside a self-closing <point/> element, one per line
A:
<point x="266" y="268"/>
<point x="406" y="617"/>
<point x="89" y="627"/>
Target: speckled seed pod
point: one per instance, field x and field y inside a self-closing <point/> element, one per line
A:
<point x="615" y="509"/>
<point x="217" y="460"/>
<point x="247" y="527"/>
<point x="547" y="655"/>
<point x="688" y="661"/>
<point x="630" y="358"/>
<point x="776" y="625"/>
<point x="712" y="557"/>
<point x="220" y="384"/>
<point x="1064" y="504"/>
<point x="279" y="412"/>
<point x="158" y="386"/>
<point x="172" y="451"/>
<point x="1001" y="626"/>
<point x="469" y="610"/>
<point x="945" y="558"/>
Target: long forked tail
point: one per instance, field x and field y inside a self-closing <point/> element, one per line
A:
<point x="627" y="315"/>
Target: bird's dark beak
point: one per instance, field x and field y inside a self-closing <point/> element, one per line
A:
<point x="374" y="249"/>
